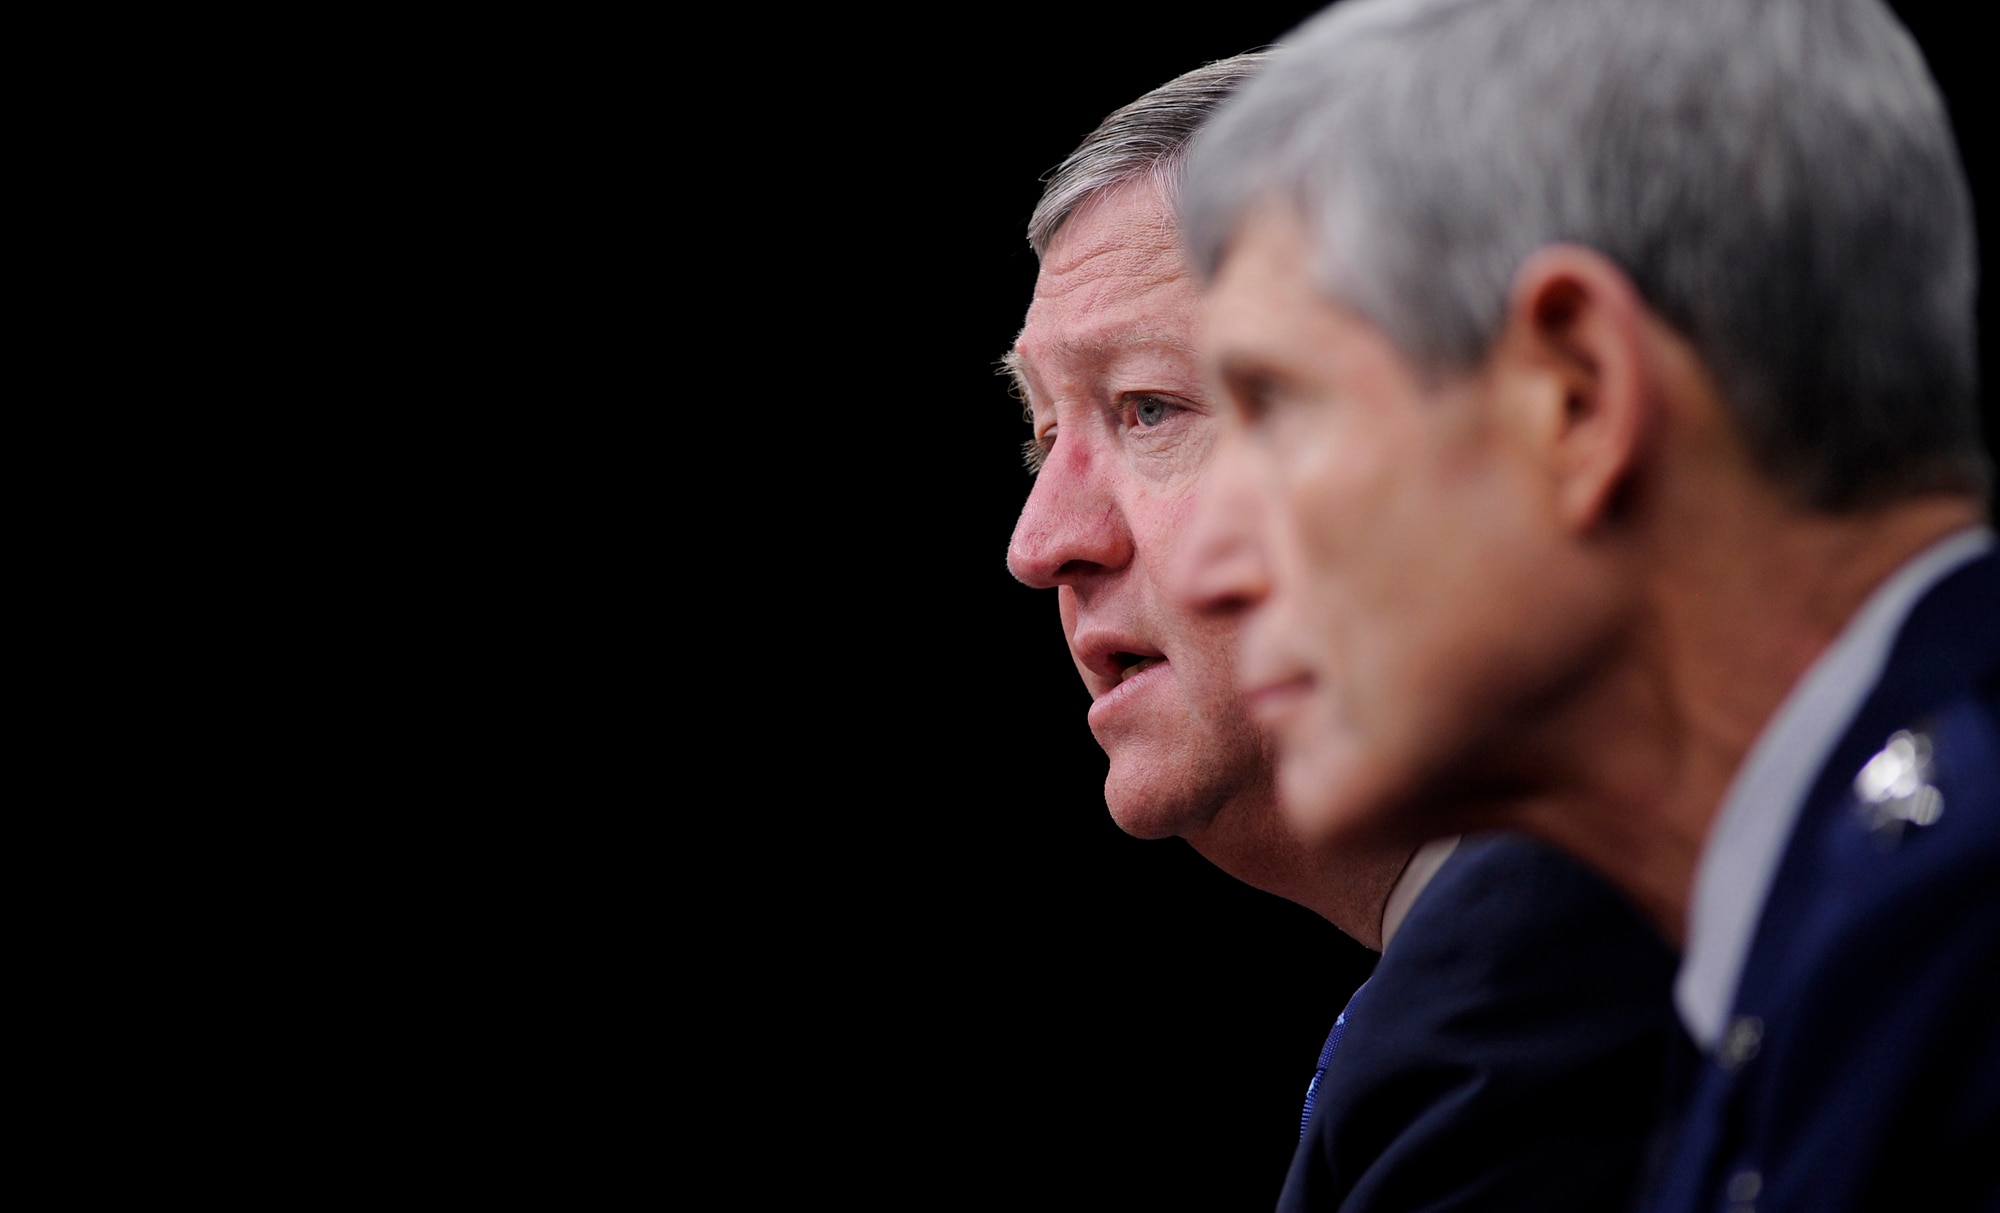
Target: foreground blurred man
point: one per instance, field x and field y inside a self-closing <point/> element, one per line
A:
<point x="1506" y="1052"/>
<point x="1611" y="468"/>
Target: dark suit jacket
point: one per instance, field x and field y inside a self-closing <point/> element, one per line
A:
<point x="1861" y="1066"/>
<point x="1507" y="1054"/>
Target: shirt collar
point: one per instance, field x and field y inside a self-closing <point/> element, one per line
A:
<point x="1740" y="859"/>
<point x="1416" y="874"/>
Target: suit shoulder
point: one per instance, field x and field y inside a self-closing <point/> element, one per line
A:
<point x="1508" y="1051"/>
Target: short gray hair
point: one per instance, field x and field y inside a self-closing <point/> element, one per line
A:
<point x="1777" y="177"/>
<point x="1147" y="138"/>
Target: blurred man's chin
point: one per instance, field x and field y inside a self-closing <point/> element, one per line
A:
<point x="1330" y="803"/>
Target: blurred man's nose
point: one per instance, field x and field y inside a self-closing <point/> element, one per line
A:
<point x="1072" y="524"/>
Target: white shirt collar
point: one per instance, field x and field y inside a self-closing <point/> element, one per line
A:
<point x="1740" y="858"/>
<point x="1416" y="874"/>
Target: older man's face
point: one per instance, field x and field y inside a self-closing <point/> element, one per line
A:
<point x="1409" y="610"/>
<point x="1123" y="432"/>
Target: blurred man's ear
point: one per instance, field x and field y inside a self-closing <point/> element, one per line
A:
<point x="1574" y="356"/>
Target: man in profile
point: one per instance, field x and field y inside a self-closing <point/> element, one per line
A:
<point x="1609" y="467"/>
<point x="1506" y="1051"/>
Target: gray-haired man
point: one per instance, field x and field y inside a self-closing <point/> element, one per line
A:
<point x="1609" y="467"/>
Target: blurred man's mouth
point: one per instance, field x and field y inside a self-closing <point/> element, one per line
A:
<point x="1274" y="704"/>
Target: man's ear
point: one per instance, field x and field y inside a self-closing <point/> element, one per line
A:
<point x="1576" y="326"/>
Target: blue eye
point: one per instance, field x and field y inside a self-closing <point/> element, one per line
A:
<point x="1152" y="411"/>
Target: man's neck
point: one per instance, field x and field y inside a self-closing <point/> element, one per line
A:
<point x="1348" y="885"/>
<point x="1745" y="597"/>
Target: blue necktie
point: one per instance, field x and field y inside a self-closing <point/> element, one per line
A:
<point x="1326" y="1057"/>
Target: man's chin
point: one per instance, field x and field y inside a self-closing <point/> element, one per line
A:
<point x="1155" y="808"/>
<point x="1140" y="823"/>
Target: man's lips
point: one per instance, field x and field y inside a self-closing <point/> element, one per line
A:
<point x="1107" y="659"/>
<point x="1131" y="681"/>
<point x="1138" y="667"/>
<point x="1275" y="703"/>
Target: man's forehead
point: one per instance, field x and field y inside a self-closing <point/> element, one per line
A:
<point x="1113" y="300"/>
<point x="1111" y="251"/>
<point x="1115" y="338"/>
<point x="1129" y="222"/>
<point x="1118" y="247"/>
<point x="1263" y="287"/>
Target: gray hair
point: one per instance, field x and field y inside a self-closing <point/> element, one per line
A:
<point x="1777" y="177"/>
<point x="1147" y="138"/>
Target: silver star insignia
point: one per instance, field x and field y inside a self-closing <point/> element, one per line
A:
<point x="1895" y="788"/>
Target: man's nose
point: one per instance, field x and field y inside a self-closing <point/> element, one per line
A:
<point x="1072" y="524"/>
<point x="1222" y="565"/>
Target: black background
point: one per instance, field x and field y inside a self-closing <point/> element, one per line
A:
<point x="984" y="994"/>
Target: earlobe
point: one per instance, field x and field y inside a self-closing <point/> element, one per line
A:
<point x="1578" y="321"/>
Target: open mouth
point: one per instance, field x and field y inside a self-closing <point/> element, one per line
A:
<point x="1131" y="664"/>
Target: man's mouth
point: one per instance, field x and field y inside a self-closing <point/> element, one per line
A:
<point x="1273" y="704"/>
<point x="1131" y="664"/>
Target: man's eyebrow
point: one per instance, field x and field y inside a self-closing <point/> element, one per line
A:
<point x="1017" y="387"/>
<point x="1102" y="348"/>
